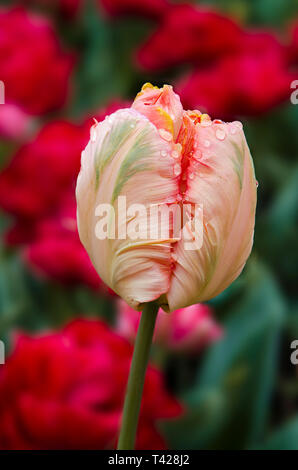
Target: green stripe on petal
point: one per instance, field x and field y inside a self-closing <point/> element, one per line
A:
<point x="112" y="143"/>
<point x="134" y="161"/>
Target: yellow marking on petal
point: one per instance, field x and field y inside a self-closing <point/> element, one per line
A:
<point x="145" y="87"/>
<point x="169" y="126"/>
<point x="148" y="85"/>
<point x="205" y="117"/>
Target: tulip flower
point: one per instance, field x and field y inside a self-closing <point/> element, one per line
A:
<point x="155" y="155"/>
<point x="187" y="330"/>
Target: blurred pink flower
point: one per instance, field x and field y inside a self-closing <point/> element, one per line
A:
<point x="189" y="34"/>
<point x="33" y="67"/>
<point x="14" y="123"/>
<point x="187" y="329"/>
<point x="148" y="8"/>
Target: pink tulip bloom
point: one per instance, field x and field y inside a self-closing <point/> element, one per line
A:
<point x="154" y="154"/>
<point x="14" y="122"/>
<point x="187" y="329"/>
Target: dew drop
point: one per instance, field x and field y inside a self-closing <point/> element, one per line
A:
<point x="132" y="125"/>
<point x="191" y="176"/>
<point x="165" y="135"/>
<point x="257" y="184"/>
<point x="206" y="123"/>
<point x="175" y="154"/>
<point x="177" y="169"/>
<point x="163" y="153"/>
<point x="220" y="134"/>
<point x="207" y="143"/>
<point x="233" y="130"/>
<point x="217" y="121"/>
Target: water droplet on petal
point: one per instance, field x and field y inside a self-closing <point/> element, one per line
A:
<point x="233" y="130"/>
<point x="132" y="125"/>
<point x="206" y="122"/>
<point x="175" y="154"/>
<point x="198" y="154"/>
<point x="178" y="147"/>
<point x="217" y="121"/>
<point x="191" y="176"/>
<point x="177" y="169"/>
<point x="163" y="153"/>
<point x="165" y="135"/>
<point x="207" y="143"/>
<point x="257" y="184"/>
<point x="220" y="134"/>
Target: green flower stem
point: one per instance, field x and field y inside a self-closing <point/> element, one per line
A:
<point x="136" y="378"/>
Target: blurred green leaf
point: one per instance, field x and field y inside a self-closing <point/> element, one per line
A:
<point x="286" y="438"/>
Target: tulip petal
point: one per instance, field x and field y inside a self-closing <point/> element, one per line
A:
<point x="126" y="156"/>
<point x="162" y="106"/>
<point x="221" y="177"/>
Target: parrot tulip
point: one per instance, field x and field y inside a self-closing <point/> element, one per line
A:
<point x="155" y="154"/>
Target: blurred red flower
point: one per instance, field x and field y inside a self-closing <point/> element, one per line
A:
<point x="293" y="48"/>
<point x="37" y="187"/>
<point x="248" y="82"/>
<point x="65" y="391"/>
<point x="189" y="34"/>
<point x="33" y="67"/>
<point x="67" y="8"/>
<point x="56" y="250"/>
<point x="148" y="8"/>
<point x="187" y="330"/>
<point x="35" y="180"/>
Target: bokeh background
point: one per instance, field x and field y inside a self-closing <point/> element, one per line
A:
<point x="220" y="375"/>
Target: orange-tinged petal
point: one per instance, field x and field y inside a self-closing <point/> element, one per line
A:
<point x="162" y="106"/>
<point x="220" y="176"/>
